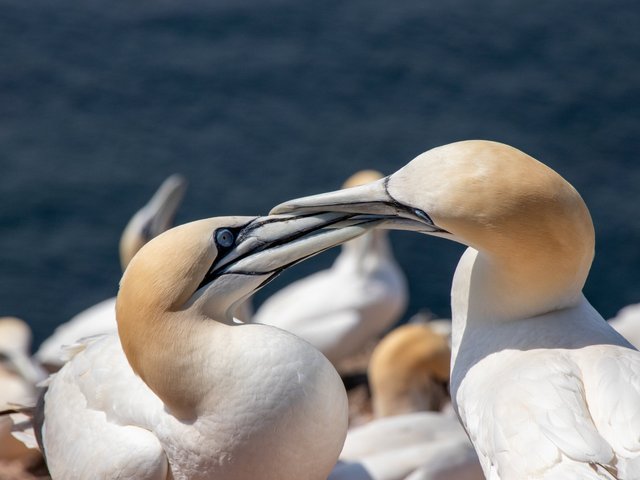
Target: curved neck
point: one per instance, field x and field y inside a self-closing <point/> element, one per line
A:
<point x="367" y="251"/>
<point x="171" y="351"/>
<point x="510" y="285"/>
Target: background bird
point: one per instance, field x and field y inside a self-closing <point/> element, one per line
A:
<point x="410" y="437"/>
<point x="147" y="223"/>
<point x="627" y="323"/>
<point x="342" y="310"/>
<point x="409" y="371"/>
<point x="18" y="378"/>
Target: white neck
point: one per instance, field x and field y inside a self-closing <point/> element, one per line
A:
<point x="366" y="252"/>
<point x="487" y="292"/>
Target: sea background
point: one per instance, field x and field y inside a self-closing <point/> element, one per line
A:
<point x="256" y="102"/>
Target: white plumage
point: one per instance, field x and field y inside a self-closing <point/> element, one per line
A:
<point x="101" y="419"/>
<point x="544" y="386"/>
<point x="421" y="445"/>
<point x="187" y="393"/>
<point x="405" y="441"/>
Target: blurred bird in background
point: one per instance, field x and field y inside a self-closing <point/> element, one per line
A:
<point x="147" y="223"/>
<point x="409" y="438"/>
<point x="342" y="310"/>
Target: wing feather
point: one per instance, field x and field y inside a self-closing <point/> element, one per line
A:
<point x="88" y="430"/>
<point x="612" y="380"/>
<point x="531" y="417"/>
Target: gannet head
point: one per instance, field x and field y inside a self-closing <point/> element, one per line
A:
<point x="491" y="197"/>
<point x="409" y="370"/>
<point x="152" y="219"/>
<point x="199" y="272"/>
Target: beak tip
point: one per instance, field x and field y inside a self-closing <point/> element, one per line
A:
<point x="282" y="208"/>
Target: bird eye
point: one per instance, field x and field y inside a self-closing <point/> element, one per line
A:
<point x="421" y="214"/>
<point x="224" y="237"/>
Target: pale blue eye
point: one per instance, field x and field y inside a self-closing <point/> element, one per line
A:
<point x="224" y="237"/>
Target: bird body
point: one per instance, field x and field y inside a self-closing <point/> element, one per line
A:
<point x="418" y="445"/>
<point x="544" y="386"/>
<point x="184" y="391"/>
<point x="119" y="425"/>
<point x="567" y="385"/>
<point x="406" y="440"/>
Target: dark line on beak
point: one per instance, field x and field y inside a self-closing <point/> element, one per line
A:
<point x="421" y="214"/>
<point x="212" y="273"/>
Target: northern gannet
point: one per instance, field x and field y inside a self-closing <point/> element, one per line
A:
<point x="18" y="377"/>
<point x="148" y="222"/>
<point x="342" y="309"/>
<point x="544" y="386"/>
<point x="409" y="438"/>
<point x="409" y="371"/>
<point x="627" y="323"/>
<point x="188" y="392"/>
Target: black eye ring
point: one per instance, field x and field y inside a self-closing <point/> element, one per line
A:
<point x="421" y="214"/>
<point x="224" y="237"/>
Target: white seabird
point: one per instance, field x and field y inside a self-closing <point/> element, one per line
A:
<point x="409" y="371"/>
<point x="150" y="221"/>
<point x="409" y="438"/>
<point x="187" y="392"/>
<point x="342" y="309"/>
<point x="544" y="386"/>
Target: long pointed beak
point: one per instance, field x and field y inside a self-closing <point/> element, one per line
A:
<point x="268" y="245"/>
<point x="371" y="198"/>
<point x="372" y="201"/>
<point x="299" y="238"/>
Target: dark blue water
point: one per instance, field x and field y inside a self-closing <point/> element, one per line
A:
<point x="259" y="101"/>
